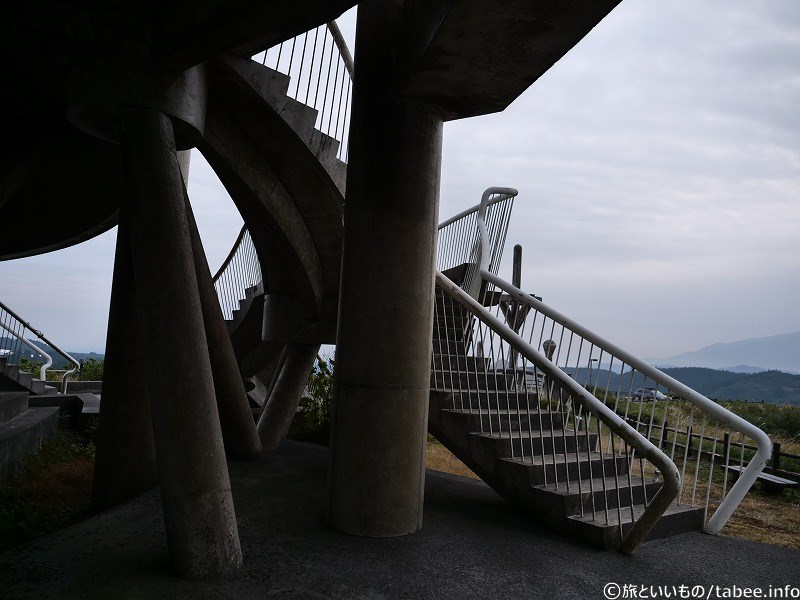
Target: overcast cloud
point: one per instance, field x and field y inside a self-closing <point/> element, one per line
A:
<point x="658" y="165"/>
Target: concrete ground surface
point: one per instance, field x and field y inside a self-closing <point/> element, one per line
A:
<point x="472" y="545"/>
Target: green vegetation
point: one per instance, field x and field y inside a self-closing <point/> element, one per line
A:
<point x="92" y="370"/>
<point x="774" y="387"/>
<point x="313" y="421"/>
<point x="51" y="491"/>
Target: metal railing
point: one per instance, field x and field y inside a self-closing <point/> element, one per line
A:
<point x="15" y="334"/>
<point x="538" y="424"/>
<point x="239" y="271"/>
<point x="553" y="378"/>
<point x="459" y="244"/>
<point x="321" y="69"/>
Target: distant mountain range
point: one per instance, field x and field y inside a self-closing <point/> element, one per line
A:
<point x="59" y="362"/>
<point x="777" y="352"/>
<point x="772" y="387"/>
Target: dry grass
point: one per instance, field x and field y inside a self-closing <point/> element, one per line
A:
<point x="439" y="458"/>
<point x="770" y="519"/>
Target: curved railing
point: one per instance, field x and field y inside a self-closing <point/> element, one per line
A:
<point x="597" y="387"/>
<point x="459" y="242"/>
<point x="704" y="439"/>
<point x="492" y="334"/>
<point x="321" y="69"/>
<point x="240" y="271"/>
<point x="19" y="332"/>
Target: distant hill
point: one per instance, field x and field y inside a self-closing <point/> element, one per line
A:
<point x="59" y="362"/>
<point x="773" y="387"/>
<point x="777" y="352"/>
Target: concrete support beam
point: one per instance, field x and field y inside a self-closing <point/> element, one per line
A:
<point x="200" y="522"/>
<point x="190" y="32"/>
<point x="236" y="419"/>
<point x="386" y="308"/>
<point x="125" y="462"/>
<point x="475" y="57"/>
<point x="281" y="405"/>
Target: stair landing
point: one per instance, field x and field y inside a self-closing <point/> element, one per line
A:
<point x="22" y="430"/>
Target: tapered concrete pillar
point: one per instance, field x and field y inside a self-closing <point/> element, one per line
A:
<point x="236" y="419"/>
<point x="284" y="397"/>
<point x="201" y="527"/>
<point x="376" y="475"/>
<point x="125" y="461"/>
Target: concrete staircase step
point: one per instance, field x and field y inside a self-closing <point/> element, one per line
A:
<point x="471" y="399"/>
<point x="550" y="468"/>
<point x="22" y="436"/>
<point x="12" y="404"/>
<point x="491" y="420"/>
<point x="39" y="387"/>
<point x="493" y="380"/>
<point x="607" y="530"/>
<point x="523" y="443"/>
<point x="458" y="362"/>
<point x="599" y="494"/>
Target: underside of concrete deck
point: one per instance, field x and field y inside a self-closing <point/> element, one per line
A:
<point x="472" y="545"/>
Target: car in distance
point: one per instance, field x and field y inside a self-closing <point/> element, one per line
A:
<point x="648" y="394"/>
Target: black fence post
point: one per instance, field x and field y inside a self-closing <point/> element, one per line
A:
<point x="726" y="448"/>
<point x="776" y="457"/>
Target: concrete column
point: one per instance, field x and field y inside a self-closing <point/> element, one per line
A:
<point x="200" y="522"/>
<point x="376" y="475"/>
<point x="125" y="462"/>
<point x="281" y="405"/>
<point x="236" y="418"/>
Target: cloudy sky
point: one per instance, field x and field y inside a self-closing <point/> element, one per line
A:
<point x="658" y="165"/>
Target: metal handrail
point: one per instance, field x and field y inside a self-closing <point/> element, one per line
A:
<point x="459" y="242"/>
<point x="240" y="270"/>
<point x="472" y="348"/>
<point x="342" y="45"/>
<point x="20" y="335"/>
<point x="486" y="201"/>
<point x="48" y="359"/>
<point x="321" y="69"/>
<point x="763" y="443"/>
<point x="232" y="252"/>
<point x="666" y="494"/>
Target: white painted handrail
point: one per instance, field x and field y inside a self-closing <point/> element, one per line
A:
<point x="520" y="348"/>
<point x="763" y="443"/>
<point x="48" y="359"/>
<point x="646" y="449"/>
<point x="20" y="335"/>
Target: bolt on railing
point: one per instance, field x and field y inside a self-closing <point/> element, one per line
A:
<point x="321" y="70"/>
<point x="240" y="271"/>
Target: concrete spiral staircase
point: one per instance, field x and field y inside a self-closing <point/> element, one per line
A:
<point x="285" y="178"/>
<point x="249" y="100"/>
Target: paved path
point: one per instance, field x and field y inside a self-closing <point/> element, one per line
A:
<point x="472" y="546"/>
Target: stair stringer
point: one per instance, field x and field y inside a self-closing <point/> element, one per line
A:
<point x="297" y="220"/>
